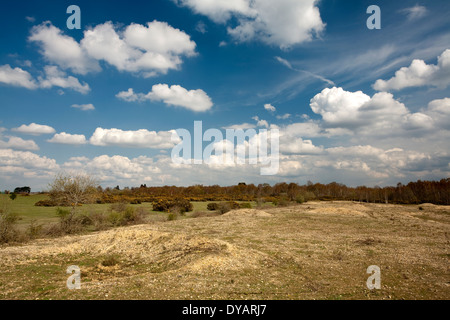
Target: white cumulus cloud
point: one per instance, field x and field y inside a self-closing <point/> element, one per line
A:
<point x="62" y="50"/>
<point x="142" y="138"/>
<point x="67" y="138"/>
<point x="147" y="50"/>
<point x="269" y="107"/>
<point x="17" y="77"/>
<point x="284" y="24"/>
<point x="18" y="143"/>
<point x="57" y="78"/>
<point x="175" y="95"/>
<point x="34" y="129"/>
<point x="419" y="74"/>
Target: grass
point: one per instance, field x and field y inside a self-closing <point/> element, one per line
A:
<point x="308" y="251"/>
<point x="28" y="212"/>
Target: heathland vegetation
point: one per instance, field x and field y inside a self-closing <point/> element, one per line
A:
<point x="77" y="204"/>
<point x="435" y="192"/>
<point x="285" y="241"/>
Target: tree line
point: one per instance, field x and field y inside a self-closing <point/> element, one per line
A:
<point x="436" y="192"/>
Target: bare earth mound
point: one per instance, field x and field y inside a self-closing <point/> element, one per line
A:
<point x="163" y="251"/>
<point x="248" y="213"/>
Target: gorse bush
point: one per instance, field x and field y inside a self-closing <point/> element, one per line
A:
<point x="180" y="205"/>
<point x="45" y="203"/>
<point x="161" y="205"/>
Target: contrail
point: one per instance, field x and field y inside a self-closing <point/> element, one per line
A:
<point x="289" y="65"/>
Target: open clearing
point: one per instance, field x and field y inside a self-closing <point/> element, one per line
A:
<point x="318" y="250"/>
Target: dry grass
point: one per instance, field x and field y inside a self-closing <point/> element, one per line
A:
<point x="317" y="250"/>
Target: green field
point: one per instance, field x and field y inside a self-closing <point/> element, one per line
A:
<point x="27" y="211"/>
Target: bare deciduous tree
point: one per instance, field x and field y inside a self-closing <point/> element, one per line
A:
<point x="72" y="190"/>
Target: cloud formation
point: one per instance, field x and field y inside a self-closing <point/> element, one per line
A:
<point x="84" y="107"/>
<point x="17" y="77"/>
<point x="67" y="138"/>
<point x="419" y="74"/>
<point x="288" y="23"/>
<point x="34" y="129"/>
<point x="62" y="50"/>
<point x="175" y="95"/>
<point x="57" y="78"/>
<point x="18" y="143"/>
<point x="142" y="138"/>
<point x="269" y="107"/>
<point x="415" y="12"/>
<point x="53" y="78"/>
<point x="146" y="50"/>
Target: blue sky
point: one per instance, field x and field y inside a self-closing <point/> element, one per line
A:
<point x="352" y="105"/>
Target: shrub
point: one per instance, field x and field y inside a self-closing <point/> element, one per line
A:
<point x="172" y="216"/>
<point x="224" y="207"/>
<point x="300" y="199"/>
<point x="161" y="205"/>
<point x="115" y="218"/>
<point x="8" y="219"/>
<point x="34" y="230"/>
<point x="309" y="196"/>
<point x="99" y="220"/>
<point x="181" y="205"/>
<point x="68" y="222"/>
<point x="45" y="203"/>
<point x="233" y="205"/>
<point x="13" y="196"/>
<point x="212" y="206"/>
<point x="135" y="201"/>
<point x="127" y="216"/>
<point x="131" y="216"/>
<point x="119" y="206"/>
<point x="281" y="202"/>
<point x="245" y="205"/>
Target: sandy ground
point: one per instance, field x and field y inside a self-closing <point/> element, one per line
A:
<point x="318" y="250"/>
